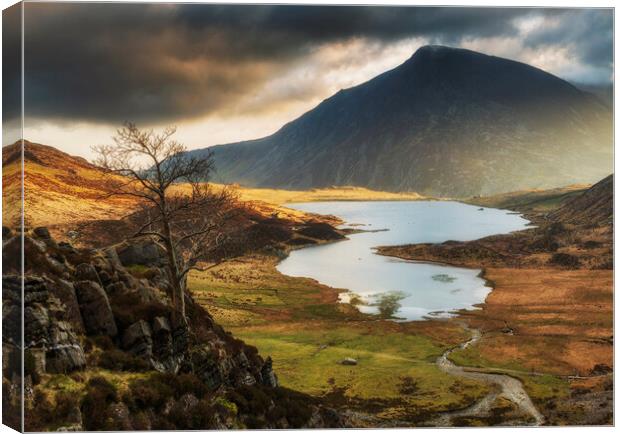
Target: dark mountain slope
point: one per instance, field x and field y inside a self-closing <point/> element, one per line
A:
<point x="448" y="122"/>
<point x="595" y="206"/>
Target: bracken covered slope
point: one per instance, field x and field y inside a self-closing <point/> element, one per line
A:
<point x="58" y="188"/>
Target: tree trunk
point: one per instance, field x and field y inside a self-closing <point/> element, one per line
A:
<point x="178" y="294"/>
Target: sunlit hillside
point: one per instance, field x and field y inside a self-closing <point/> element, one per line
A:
<point x="60" y="189"/>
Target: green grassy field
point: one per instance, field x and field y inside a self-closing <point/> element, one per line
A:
<point x="300" y="324"/>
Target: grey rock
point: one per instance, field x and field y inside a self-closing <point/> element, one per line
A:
<point x="205" y="365"/>
<point x="137" y="339"/>
<point x="112" y="257"/>
<point x="67" y="248"/>
<point x="49" y="336"/>
<point x="161" y="325"/>
<point x="142" y="251"/>
<point x="188" y="401"/>
<point x="65" y="291"/>
<point x="64" y="352"/>
<point x="95" y="308"/>
<point x="348" y="361"/>
<point x="42" y="233"/>
<point x="86" y="271"/>
<point x="269" y="377"/>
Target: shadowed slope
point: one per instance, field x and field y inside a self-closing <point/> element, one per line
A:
<point x="448" y="122"/>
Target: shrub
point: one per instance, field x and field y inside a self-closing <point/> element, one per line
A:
<point x="565" y="260"/>
<point x="30" y="367"/>
<point x="555" y="229"/>
<point x="117" y="360"/>
<point x="104" y="342"/>
<point x="199" y="416"/>
<point x="189" y="383"/>
<point x="147" y="393"/>
<point x="65" y="404"/>
<point x="545" y="244"/>
<point x="129" y="308"/>
<point x="99" y="394"/>
<point x="41" y="414"/>
<point x="258" y="401"/>
<point x="591" y="244"/>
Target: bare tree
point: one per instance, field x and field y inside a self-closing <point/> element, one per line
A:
<point x="176" y="204"/>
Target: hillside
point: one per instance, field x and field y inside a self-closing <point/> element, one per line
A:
<point x="64" y="190"/>
<point x="594" y="206"/>
<point x="530" y="200"/>
<point x="58" y="188"/>
<point x="551" y="309"/>
<point x="447" y="122"/>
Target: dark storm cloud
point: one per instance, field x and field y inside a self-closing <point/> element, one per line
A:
<point x="590" y="32"/>
<point x="163" y="62"/>
<point x="11" y="63"/>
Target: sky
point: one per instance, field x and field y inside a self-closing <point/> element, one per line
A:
<point x="226" y="73"/>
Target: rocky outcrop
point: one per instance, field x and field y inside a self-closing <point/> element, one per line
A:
<point x="50" y="341"/>
<point x="84" y="308"/>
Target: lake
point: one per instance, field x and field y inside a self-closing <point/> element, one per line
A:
<point x="410" y="290"/>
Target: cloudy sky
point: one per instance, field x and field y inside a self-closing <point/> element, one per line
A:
<point x="224" y="73"/>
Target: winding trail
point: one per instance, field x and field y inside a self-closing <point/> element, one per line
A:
<point x="510" y="388"/>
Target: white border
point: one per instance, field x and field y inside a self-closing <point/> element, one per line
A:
<point x="530" y="3"/>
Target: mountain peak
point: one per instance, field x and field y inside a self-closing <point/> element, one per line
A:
<point x="433" y="51"/>
<point x="448" y="122"/>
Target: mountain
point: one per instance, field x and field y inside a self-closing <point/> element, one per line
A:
<point x="447" y="122"/>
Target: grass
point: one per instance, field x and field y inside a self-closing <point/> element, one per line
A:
<point x="541" y="388"/>
<point x="344" y="193"/>
<point x="309" y="360"/>
<point x="530" y="200"/>
<point x="300" y="324"/>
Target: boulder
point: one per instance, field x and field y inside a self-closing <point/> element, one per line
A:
<point x="67" y="248"/>
<point x="348" y="361"/>
<point x="42" y="233"/>
<point x="205" y="365"/>
<point x="64" y="351"/>
<point x="49" y="337"/>
<point x="161" y="325"/>
<point x="138" y="340"/>
<point x="6" y="233"/>
<point x="95" y="308"/>
<point x="111" y="256"/>
<point x="65" y="291"/>
<point x="268" y="377"/>
<point x="141" y="251"/>
<point x="116" y="288"/>
<point x="86" y="271"/>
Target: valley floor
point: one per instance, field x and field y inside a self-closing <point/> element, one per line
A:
<point x="308" y="333"/>
<point x="547" y="326"/>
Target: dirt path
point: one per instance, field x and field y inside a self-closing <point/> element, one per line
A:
<point x="509" y="388"/>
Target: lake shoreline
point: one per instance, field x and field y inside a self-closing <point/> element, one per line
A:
<point x="372" y="278"/>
